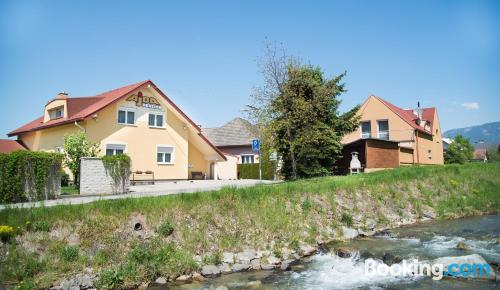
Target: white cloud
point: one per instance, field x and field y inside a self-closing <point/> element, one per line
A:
<point x="471" y="106"/>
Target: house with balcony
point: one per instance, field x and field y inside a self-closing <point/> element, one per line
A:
<point x="389" y="136"/>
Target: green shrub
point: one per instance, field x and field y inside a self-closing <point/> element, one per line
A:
<point x="251" y="171"/>
<point x="41" y="226"/>
<point x="110" y="279"/>
<point x="6" y="233"/>
<point x="69" y="253"/>
<point x="118" y="167"/>
<point x="214" y="258"/>
<point x="64" y="178"/>
<point x="21" y="265"/>
<point x="28" y="176"/>
<point x="165" y="229"/>
<point x="306" y="205"/>
<point x="346" y="219"/>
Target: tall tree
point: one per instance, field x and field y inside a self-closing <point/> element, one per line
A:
<point x="459" y="151"/>
<point x="297" y="111"/>
<point x="307" y="125"/>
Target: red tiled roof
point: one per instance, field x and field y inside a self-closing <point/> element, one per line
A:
<point x="80" y="108"/>
<point x="409" y="117"/>
<point x="7" y="146"/>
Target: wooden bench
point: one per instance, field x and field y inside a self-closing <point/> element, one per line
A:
<point x="146" y="177"/>
<point x="197" y="175"/>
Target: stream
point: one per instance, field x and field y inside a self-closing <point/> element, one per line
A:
<point x="424" y="242"/>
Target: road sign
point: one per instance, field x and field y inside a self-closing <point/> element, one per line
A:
<point x="255" y="145"/>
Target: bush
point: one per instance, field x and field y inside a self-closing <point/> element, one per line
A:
<point x="41" y="226"/>
<point x="346" y="219"/>
<point x="64" y="178"/>
<point x="110" y="279"/>
<point x="68" y="253"/>
<point x="118" y="166"/>
<point x="21" y="265"/>
<point x="165" y="229"/>
<point x="6" y="233"/>
<point x="29" y="176"/>
<point x="251" y="171"/>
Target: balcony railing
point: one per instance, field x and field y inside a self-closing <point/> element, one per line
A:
<point x="384" y="135"/>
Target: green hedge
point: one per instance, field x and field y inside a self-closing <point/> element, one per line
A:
<point x="118" y="166"/>
<point x="29" y="176"/>
<point x="251" y="171"/>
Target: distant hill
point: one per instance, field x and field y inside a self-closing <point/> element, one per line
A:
<point x="489" y="133"/>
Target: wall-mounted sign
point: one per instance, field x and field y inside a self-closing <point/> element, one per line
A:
<point x="144" y="101"/>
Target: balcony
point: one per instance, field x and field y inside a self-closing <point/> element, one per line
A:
<point x="384" y="135"/>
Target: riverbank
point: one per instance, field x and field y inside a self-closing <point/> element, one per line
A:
<point x="124" y="243"/>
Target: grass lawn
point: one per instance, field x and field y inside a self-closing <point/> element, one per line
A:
<point x="60" y="241"/>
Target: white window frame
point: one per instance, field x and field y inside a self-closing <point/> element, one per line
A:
<point x="247" y="155"/>
<point x="53" y="113"/>
<point x="126" y="110"/>
<point x="157" y="114"/>
<point x="384" y="132"/>
<point x="172" y="154"/>
<point x="115" y="146"/>
<point x="361" y="129"/>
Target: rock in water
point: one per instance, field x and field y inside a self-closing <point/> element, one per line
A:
<point x="240" y="267"/>
<point x="349" y="233"/>
<point x="306" y="250"/>
<point x="161" y="280"/>
<point x="210" y="271"/>
<point x="254" y="284"/>
<point x="345" y="252"/>
<point x="477" y="263"/>
<point x="462" y="246"/>
<point x="390" y="259"/>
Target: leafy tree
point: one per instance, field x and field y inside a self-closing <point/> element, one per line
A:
<point x="459" y="151"/>
<point x="297" y="110"/>
<point x="493" y="153"/>
<point x="308" y="124"/>
<point x="77" y="146"/>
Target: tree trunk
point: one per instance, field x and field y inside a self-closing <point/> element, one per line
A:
<point x="292" y="154"/>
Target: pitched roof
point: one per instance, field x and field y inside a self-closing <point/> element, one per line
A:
<point x="80" y="108"/>
<point x="236" y="132"/>
<point x="409" y="117"/>
<point x="7" y="146"/>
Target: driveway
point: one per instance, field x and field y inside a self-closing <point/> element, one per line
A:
<point x="157" y="189"/>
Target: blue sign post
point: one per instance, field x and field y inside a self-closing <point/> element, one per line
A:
<point x="255" y="145"/>
<point x="256" y="148"/>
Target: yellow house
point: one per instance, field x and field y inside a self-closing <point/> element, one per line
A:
<point x="139" y="120"/>
<point x="416" y="131"/>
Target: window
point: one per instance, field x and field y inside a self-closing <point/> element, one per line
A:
<point x="164" y="154"/>
<point x="126" y="116"/>
<point x="155" y="120"/>
<point x="383" y="129"/>
<point x="115" y="149"/>
<point x="366" y="129"/>
<point x="56" y="113"/>
<point x="246" y="159"/>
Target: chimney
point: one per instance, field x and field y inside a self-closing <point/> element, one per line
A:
<point x="419" y="114"/>
<point x="62" y="96"/>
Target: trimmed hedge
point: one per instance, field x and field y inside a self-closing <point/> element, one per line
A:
<point x="251" y="171"/>
<point x="29" y="176"/>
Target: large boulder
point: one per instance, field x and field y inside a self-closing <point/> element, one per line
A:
<point x="210" y="271"/>
<point x="349" y="233"/>
<point x="477" y="267"/>
<point x="246" y="256"/>
<point x="228" y="257"/>
<point x="307" y="250"/>
<point x="238" y="267"/>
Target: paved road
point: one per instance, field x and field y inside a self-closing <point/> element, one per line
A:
<point x="158" y="189"/>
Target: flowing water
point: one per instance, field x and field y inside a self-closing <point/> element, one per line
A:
<point x="423" y="242"/>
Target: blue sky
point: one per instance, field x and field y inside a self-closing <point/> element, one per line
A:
<point x="202" y="54"/>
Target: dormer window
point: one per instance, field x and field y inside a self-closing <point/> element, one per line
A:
<point x="56" y="113"/>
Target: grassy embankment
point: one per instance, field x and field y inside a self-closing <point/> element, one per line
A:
<point x="58" y="242"/>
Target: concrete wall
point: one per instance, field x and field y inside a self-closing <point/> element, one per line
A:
<point x="94" y="179"/>
<point x="228" y="169"/>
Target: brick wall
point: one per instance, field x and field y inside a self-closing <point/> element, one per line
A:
<point x="94" y="178"/>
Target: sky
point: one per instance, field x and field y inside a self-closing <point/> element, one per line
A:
<point x="203" y="54"/>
